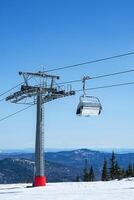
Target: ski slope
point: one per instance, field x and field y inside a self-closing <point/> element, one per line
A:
<point x="112" y="190"/>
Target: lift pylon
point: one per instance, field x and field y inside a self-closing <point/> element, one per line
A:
<point x="46" y="90"/>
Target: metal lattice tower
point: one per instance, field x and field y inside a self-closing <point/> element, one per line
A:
<point x="46" y="90"/>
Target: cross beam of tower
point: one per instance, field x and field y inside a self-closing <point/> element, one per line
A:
<point x="44" y="91"/>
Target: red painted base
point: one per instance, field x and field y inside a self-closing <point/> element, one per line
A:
<point x="39" y="181"/>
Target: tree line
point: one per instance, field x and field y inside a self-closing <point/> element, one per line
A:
<point x="115" y="171"/>
<point x="110" y="171"/>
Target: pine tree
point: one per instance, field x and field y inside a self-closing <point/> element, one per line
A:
<point x="117" y="171"/>
<point x="77" y="179"/>
<point x="104" y="176"/>
<point x="86" y="176"/>
<point x="129" y="171"/>
<point x="133" y="170"/>
<point x="91" y="174"/>
<point x="122" y="173"/>
<point x="112" y="168"/>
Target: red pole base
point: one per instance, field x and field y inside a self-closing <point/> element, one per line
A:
<point x="39" y="181"/>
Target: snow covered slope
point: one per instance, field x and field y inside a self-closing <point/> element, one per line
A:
<point x="113" y="190"/>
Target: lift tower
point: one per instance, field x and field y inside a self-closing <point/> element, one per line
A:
<point x="46" y="90"/>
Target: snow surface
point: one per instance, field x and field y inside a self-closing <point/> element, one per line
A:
<point x="112" y="190"/>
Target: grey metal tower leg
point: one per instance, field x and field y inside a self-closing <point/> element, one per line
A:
<point x="39" y="146"/>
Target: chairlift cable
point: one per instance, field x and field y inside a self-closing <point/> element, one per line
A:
<point x="100" y="76"/>
<point x="107" y="86"/>
<point x="8" y="116"/>
<point x="76" y="65"/>
<point x="14" y="87"/>
<point x="78" y="80"/>
<point x="91" y="61"/>
<point x="94" y="88"/>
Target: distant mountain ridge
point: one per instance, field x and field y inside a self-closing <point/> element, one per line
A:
<point x="60" y="166"/>
<point x="14" y="170"/>
<point x="106" y="150"/>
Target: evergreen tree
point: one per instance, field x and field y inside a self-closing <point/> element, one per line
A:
<point x="104" y="176"/>
<point x="122" y="173"/>
<point x="86" y="176"/>
<point x="77" y="179"/>
<point x="91" y="174"/>
<point x="129" y="171"/>
<point x="117" y="171"/>
<point x="112" y="168"/>
<point x="133" y="170"/>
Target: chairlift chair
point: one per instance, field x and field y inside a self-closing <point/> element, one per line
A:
<point x="88" y="105"/>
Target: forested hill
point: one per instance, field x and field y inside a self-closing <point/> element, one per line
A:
<point x="60" y="166"/>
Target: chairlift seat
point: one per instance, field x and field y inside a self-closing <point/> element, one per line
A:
<point x="88" y="106"/>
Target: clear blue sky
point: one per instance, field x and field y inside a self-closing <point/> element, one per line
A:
<point x="58" y="33"/>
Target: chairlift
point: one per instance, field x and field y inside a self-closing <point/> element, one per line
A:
<point x="88" y="105"/>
